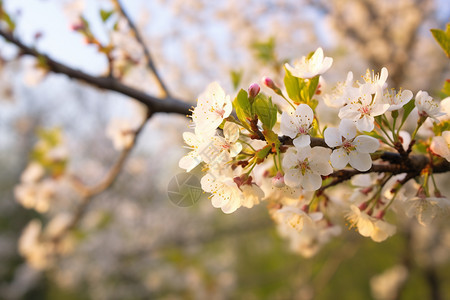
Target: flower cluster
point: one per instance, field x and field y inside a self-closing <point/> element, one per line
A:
<point x="281" y="154"/>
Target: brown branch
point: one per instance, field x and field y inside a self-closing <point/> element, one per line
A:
<point x="155" y="104"/>
<point x="150" y="62"/>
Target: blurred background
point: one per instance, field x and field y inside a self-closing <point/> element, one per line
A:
<point x="132" y="242"/>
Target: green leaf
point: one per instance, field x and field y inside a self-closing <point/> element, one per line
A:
<point x="445" y="92"/>
<point x="236" y="77"/>
<point x="443" y="38"/>
<point x="407" y="109"/>
<point x="292" y="86"/>
<point x="312" y="86"/>
<point x="265" y="110"/>
<point x="265" y="50"/>
<point x="4" y="16"/>
<point x="261" y="155"/>
<point x="105" y="14"/>
<point x="242" y="106"/>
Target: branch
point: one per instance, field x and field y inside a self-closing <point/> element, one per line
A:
<point x="155" y="104"/>
<point x="150" y="62"/>
<point x="87" y="193"/>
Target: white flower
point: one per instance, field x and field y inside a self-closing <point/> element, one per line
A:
<point x="427" y="107"/>
<point x="427" y="209"/>
<point x="387" y="285"/>
<point x="348" y="148"/>
<point x="214" y="151"/>
<point x="31" y="246"/>
<point x="228" y="196"/>
<point x="396" y="100"/>
<point x="251" y="195"/>
<point x="295" y="217"/>
<point x="298" y="123"/>
<point x="440" y="145"/>
<point x="362" y="107"/>
<point x="213" y="106"/>
<point x="197" y="143"/>
<point x="304" y="167"/>
<point x="121" y="132"/>
<point x="378" y="230"/>
<point x="339" y="95"/>
<point x="36" y="196"/>
<point x="373" y="82"/>
<point x="309" y="68"/>
<point x="32" y="173"/>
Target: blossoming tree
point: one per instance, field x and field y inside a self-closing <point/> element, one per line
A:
<point x="269" y="147"/>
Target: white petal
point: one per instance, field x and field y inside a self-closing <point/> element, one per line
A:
<point x="304" y="114"/>
<point x="293" y="178"/>
<point x="189" y="162"/>
<point x="365" y="123"/>
<point x="339" y="158"/>
<point x="332" y="137"/>
<point x="235" y="149"/>
<point x="347" y="128"/>
<point x="311" y="182"/>
<point x="288" y="125"/>
<point x="290" y="159"/>
<point x="302" y="141"/>
<point x="360" y="161"/>
<point x="231" y="132"/>
<point x="366" y="144"/>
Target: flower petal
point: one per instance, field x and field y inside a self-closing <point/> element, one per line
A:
<point x="360" y="161"/>
<point x="302" y="141"/>
<point x="339" y="158"/>
<point x="332" y="137"/>
<point x="311" y="182"/>
<point x="366" y="144"/>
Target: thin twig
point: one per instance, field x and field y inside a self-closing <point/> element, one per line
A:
<point x="150" y="62"/>
<point x="155" y="104"/>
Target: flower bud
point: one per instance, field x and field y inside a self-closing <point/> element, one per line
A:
<point x="253" y="90"/>
<point x="278" y="180"/>
<point x="77" y="26"/>
<point x="380" y="214"/>
<point x="269" y="83"/>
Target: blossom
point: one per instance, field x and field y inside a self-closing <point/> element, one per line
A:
<point x="297" y="125"/>
<point x="426" y="209"/>
<point x="348" y="148"/>
<point x="121" y="132"/>
<point x="427" y="107"/>
<point x="304" y="167"/>
<point x="339" y="94"/>
<point x="222" y="149"/>
<point x="396" y="100"/>
<point x="227" y="195"/>
<point x="363" y="107"/>
<point x="32" y="173"/>
<point x="440" y="145"/>
<point x="377" y="229"/>
<point x="212" y="108"/>
<point x="196" y="143"/>
<point x="36" y="196"/>
<point x="388" y="284"/>
<point x="317" y="64"/>
<point x="374" y="82"/>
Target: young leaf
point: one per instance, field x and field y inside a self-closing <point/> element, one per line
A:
<point x="236" y="77"/>
<point x="105" y="14"/>
<point x="407" y="109"/>
<point x="443" y="38"/>
<point x="292" y="86"/>
<point x="312" y="86"/>
<point x="265" y="110"/>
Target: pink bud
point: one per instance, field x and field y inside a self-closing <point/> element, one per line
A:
<point x="380" y="214"/>
<point x="77" y="26"/>
<point x="363" y="206"/>
<point x="253" y="90"/>
<point x="278" y="180"/>
<point x="269" y="83"/>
